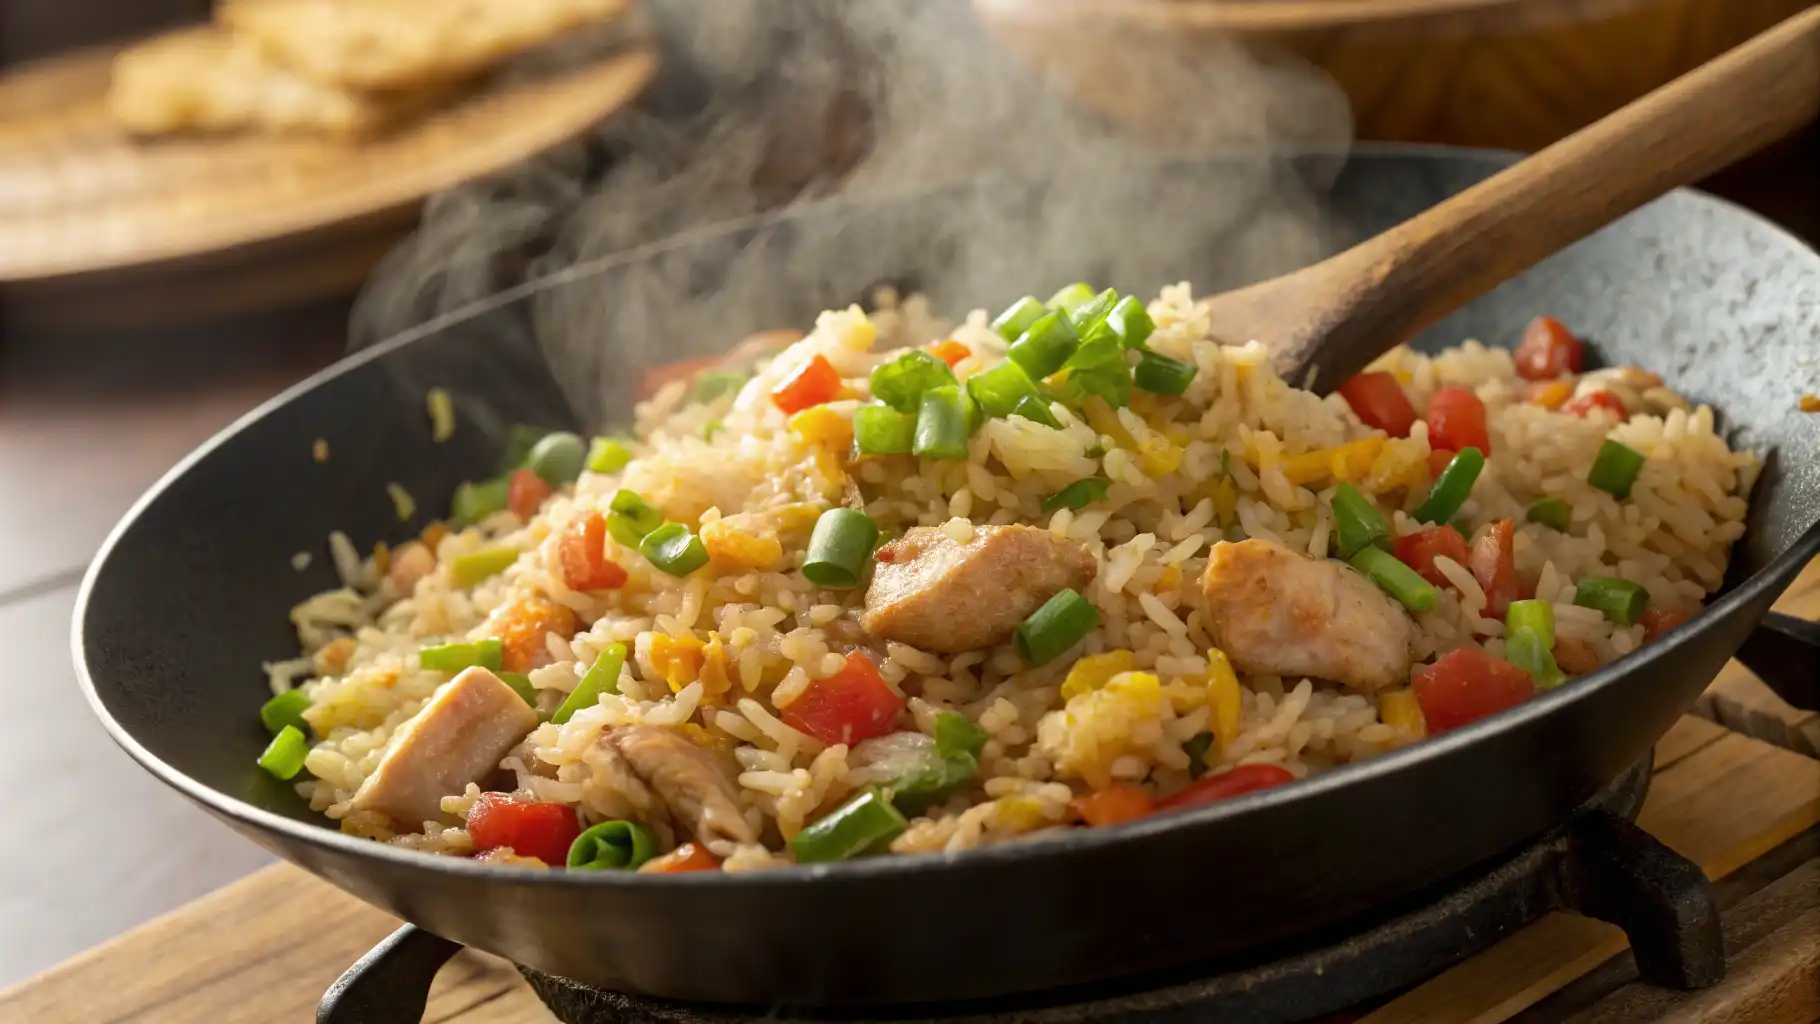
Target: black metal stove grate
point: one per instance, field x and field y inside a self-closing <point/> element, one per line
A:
<point x="1598" y="863"/>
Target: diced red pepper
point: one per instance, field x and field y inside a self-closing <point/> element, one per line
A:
<point x="949" y="351"/>
<point x="687" y="857"/>
<point x="525" y="493"/>
<point x="1494" y="565"/>
<point x="1378" y="400"/>
<point x="849" y="706"/>
<point x="815" y="382"/>
<point x="1658" y="621"/>
<point x="1597" y="400"/>
<point x="1246" y="778"/>
<point x="539" y="830"/>
<point x="1438" y="458"/>
<point x="1548" y="350"/>
<point x="1114" y="805"/>
<point x="1418" y="551"/>
<point x="1456" y="420"/>
<point x="1465" y="686"/>
<point x="582" y="552"/>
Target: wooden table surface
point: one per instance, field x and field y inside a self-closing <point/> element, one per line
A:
<point x="93" y="845"/>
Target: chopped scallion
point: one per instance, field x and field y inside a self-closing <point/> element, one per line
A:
<point x="1531" y="616"/>
<point x="998" y="391"/>
<point x="521" y="685"/>
<point x="902" y="382"/>
<point x="1357" y="522"/>
<point x="558" y="457"/>
<point x="1034" y="409"/>
<point x="1077" y="495"/>
<point x="1526" y="651"/>
<point x="1396" y="579"/>
<point x="284" y="756"/>
<point x="863" y="824"/>
<point x="630" y="518"/>
<point x="1055" y="627"/>
<point x="712" y="384"/>
<point x="1615" y="469"/>
<point x="488" y="653"/>
<point x="1452" y="487"/>
<point x="943" y="423"/>
<point x="1161" y="375"/>
<point x="1093" y="310"/>
<point x="879" y="429"/>
<point x="956" y="734"/>
<point x="1621" y="601"/>
<point x="285" y="709"/>
<point x="1131" y="322"/>
<point x="1068" y="297"/>
<point x="1550" y="512"/>
<point x="839" y="548"/>
<point x="612" y="846"/>
<point x="674" y="549"/>
<point x="476" y="501"/>
<point x="1017" y="318"/>
<point x="471" y="568"/>
<point x="608" y="454"/>
<point x="602" y="678"/>
<point x="1042" y="349"/>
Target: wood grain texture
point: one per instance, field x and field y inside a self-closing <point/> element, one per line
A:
<point x="293" y="934"/>
<point x="78" y="197"/>
<point x="1332" y="318"/>
<point x="1739" y="701"/>
<point x="1507" y="74"/>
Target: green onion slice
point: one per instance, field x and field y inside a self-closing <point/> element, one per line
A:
<point x="1550" y="512"/>
<point x="1055" y="627"/>
<point x="471" y="568"/>
<point x="998" y="391"/>
<point x="1452" y="487"/>
<point x="612" y="846"/>
<point x="675" y="550"/>
<point x="1042" y="349"/>
<point x="879" y="429"/>
<point x="1161" y="375"/>
<point x="1077" y="495"/>
<point x="1093" y="310"/>
<point x="1070" y="296"/>
<point x="863" y="824"/>
<point x="1527" y="651"/>
<point x="839" y="549"/>
<point x="943" y="423"/>
<point x="1017" y="317"/>
<point x="609" y="454"/>
<point x="1615" y="469"/>
<point x="285" y="709"/>
<point x="955" y="734"/>
<point x="902" y="382"/>
<point x="521" y="685"/>
<point x="452" y="658"/>
<point x="1620" y="601"/>
<point x="602" y="678"/>
<point x="712" y="384"/>
<point x="1034" y="409"/>
<point x="1531" y="616"/>
<point x="1396" y="579"/>
<point x="1131" y="322"/>
<point x="558" y="457"/>
<point x="630" y="518"/>
<point x="476" y="501"/>
<point x="1357" y="522"/>
<point x="283" y="757"/>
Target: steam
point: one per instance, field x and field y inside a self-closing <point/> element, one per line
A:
<point x="864" y="107"/>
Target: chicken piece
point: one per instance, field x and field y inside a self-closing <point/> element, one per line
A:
<point x="458" y="738"/>
<point x="934" y="594"/>
<point x="686" y="778"/>
<point x="1276" y="612"/>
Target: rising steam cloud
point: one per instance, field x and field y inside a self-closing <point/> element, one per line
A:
<point x="855" y="105"/>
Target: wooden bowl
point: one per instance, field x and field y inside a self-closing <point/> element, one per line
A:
<point x="1510" y="74"/>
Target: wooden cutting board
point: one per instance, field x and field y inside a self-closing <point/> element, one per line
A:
<point x="84" y="207"/>
<point x="263" y="949"/>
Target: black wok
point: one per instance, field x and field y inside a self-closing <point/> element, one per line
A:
<point x="191" y="592"/>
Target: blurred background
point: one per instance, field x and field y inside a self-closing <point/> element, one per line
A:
<point x="200" y="207"/>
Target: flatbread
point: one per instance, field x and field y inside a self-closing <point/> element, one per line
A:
<point x="394" y="44"/>
<point x="205" y="79"/>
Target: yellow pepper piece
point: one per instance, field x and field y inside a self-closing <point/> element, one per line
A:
<point x="676" y="659"/>
<point x="1399" y="710"/>
<point x="1019" y="814"/>
<point x="1349" y="462"/>
<point x="822" y="426"/>
<point x="1223" y="697"/>
<point x="862" y="333"/>
<point x="1095" y="671"/>
<point x="1397" y="465"/>
<point x="1158" y="457"/>
<point x="1143" y="690"/>
<point x="734" y="546"/>
<point x="1104" y="421"/>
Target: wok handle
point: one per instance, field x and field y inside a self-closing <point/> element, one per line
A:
<point x="1784" y="652"/>
<point x="391" y="984"/>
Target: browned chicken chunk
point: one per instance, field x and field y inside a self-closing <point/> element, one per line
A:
<point x="686" y="778"/>
<point x="932" y="593"/>
<point x="457" y="738"/>
<point x="1277" y="612"/>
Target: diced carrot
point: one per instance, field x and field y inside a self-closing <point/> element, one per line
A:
<point x="525" y="493"/>
<point x="1114" y="805"/>
<point x="687" y="857"/>
<point x="815" y="382"/>
<point x="582" y="552"/>
<point x="1658" y="621"/>
<point x="949" y="351"/>
<point x="1575" y="656"/>
<point x="522" y="625"/>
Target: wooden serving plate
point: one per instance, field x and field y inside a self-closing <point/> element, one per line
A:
<point x="1507" y="74"/>
<point x="188" y="226"/>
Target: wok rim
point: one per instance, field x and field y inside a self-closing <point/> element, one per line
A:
<point x="1070" y="842"/>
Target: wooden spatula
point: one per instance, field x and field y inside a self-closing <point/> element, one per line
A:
<point x="1325" y="322"/>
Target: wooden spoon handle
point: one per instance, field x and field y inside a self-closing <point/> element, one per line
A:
<point x="1413" y="275"/>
